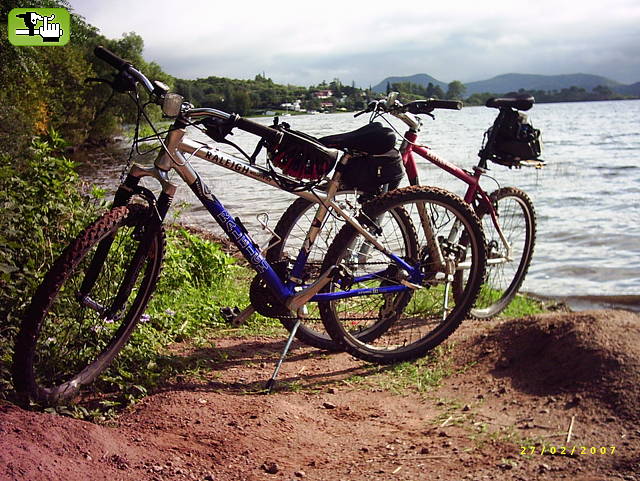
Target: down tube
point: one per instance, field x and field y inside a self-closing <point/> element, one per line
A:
<point x="240" y="238"/>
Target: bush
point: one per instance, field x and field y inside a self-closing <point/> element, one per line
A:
<point x="41" y="208"/>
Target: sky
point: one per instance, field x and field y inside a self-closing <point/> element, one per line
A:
<point x="303" y="43"/>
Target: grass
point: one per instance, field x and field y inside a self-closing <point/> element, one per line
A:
<point x="421" y="376"/>
<point x="198" y="279"/>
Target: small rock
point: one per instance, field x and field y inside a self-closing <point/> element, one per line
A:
<point x="209" y="477"/>
<point x="544" y="467"/>
<point x="466" y="408"/>
<point x="299" y="474"/>
<point x="328" y="405"/>
<point x="544" y="411"/>
<point x="271" y="467"/>
<point x="332" y="390"/>
<point x="424" y="450"/>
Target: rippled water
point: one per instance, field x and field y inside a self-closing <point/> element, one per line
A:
<point x="587" y="198"/>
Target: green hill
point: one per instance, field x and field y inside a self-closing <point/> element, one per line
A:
<point x="512" y="82"/>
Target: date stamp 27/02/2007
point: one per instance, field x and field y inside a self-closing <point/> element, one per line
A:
<point x="568" y="450"/>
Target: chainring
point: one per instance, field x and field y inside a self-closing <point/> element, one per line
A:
<point x="262" y="297"/>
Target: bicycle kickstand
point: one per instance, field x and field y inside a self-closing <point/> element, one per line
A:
<point x="272" y="381"/>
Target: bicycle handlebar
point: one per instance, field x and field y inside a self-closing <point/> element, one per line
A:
<point x="119" y="63"/>
<point x="272" y="135"/>
<point x="110" y="57"/>
<point x="415" y="107"/>
<point x="426" y="106"/>
<point x="122" y="65"/>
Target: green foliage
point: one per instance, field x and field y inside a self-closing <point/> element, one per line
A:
<point x="456" y="90"/>
<point x="41" y="209"/>
<point x="198" y="278"/>
<point x="44" y="88"/>
<point x="413" y="91"/>
<point x="261" y="93"/>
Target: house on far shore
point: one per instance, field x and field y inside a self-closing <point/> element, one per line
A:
<point x="296" y="106"/>
<point x="323" y="94"/>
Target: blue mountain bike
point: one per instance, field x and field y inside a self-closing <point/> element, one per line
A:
<point x="383" y="291"/>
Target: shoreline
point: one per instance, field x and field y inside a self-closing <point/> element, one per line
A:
<point x="629" y="302"/>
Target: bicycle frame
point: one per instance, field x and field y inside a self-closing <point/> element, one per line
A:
<point x="177" y="152"/>
<point x="474" y="192"/>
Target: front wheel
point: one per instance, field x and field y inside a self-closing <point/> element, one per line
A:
<point x="410" y="318"/>
<point x="88" y="304"/>
<point x="506" y="271"/>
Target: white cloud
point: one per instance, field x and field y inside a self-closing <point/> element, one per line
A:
<point x="305" y="42"/>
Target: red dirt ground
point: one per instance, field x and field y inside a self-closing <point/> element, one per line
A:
<point x="516" y="385"/>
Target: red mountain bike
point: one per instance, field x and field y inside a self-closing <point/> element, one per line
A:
<point x="507" y="214"/>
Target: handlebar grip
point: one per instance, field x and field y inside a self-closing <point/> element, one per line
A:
<point x="272" y="135"/>
<point x="110" y="57"/>
<point x="426" y="106"/>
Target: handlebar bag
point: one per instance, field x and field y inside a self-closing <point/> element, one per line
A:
<point x="301" y="156"/>
<point x="516" y="139"/>
<point x="370" y="172"/>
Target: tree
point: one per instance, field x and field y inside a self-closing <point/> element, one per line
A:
<point x="438" y="93"/>
<point x="456" y="90"/>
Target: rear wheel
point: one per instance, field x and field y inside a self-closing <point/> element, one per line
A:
<point x="505" y="274"/>
<point x="88" y="304"/>
<point x="415" y="318"/>
<point x="292" y="229"/>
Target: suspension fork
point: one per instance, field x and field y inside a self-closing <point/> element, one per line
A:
<point x="122" y="197"/>
<point x="159" y="210"/>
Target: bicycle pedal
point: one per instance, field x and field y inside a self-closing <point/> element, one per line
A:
<point x="229" y="314"/>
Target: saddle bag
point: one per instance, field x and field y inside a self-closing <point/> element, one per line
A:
<point x="515" y="139"/>
<point x="370" y="172"/>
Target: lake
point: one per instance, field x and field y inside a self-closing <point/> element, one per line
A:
<point x="587" y="198"/>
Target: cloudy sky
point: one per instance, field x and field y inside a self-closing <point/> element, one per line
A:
<point x="303" y="43"/>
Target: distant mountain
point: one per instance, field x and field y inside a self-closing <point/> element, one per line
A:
<point x="632" y="90"/>
<point x="513" y="82"/>
<point x="419" y="79"/>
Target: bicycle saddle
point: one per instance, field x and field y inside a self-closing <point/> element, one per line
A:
<point x="372" y="139"/>
<point x="519" y="103"/>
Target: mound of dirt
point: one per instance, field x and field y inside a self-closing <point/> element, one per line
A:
<point x="594" y="354"/>
<point x="516" y="387"/>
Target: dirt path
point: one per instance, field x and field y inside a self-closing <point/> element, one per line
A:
<point x="512" y="386"/>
